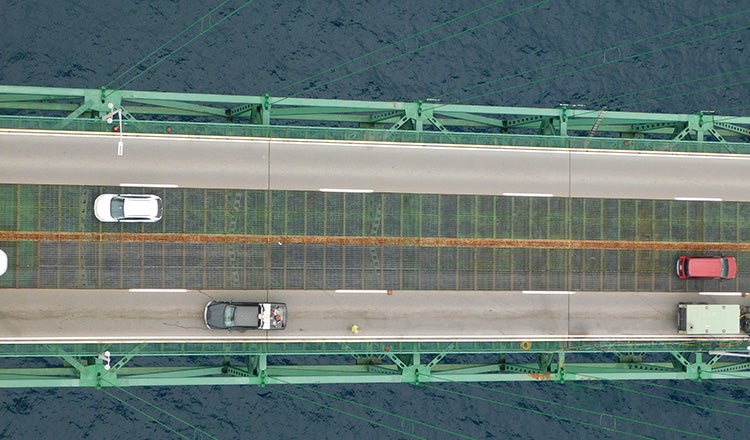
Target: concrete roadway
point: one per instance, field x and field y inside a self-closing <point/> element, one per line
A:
<point x="241" y="163"/>
<point x="57" y="316"/>
<point x="204" y="162"/>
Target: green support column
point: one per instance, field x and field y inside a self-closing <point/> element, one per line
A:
<point x="97" y="375"/>
<point x="563" y="121"/>
<point x="261" y="368"/>
<point x="265" y="110"/>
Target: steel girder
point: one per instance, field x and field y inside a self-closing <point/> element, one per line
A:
<point x="258" y="364"/>
<point x="416" y="116"/>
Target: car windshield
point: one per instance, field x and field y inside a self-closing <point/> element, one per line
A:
<point x="229" y="316"/>
<point x="724" y="268"/>
<point x="117" y="208"/>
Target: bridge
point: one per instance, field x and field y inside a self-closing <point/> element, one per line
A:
<point x="517" y="235"/>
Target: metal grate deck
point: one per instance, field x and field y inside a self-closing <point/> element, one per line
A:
<point x="316" y="240"/>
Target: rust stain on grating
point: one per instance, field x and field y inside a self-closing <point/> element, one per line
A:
<point x="114" y="237"/>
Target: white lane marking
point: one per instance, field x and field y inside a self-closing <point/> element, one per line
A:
<point x="723" y="293"/>
<point x="513" y="194"/>
<point x="346" y="190"/>
<point x="157" y="290"/>
<point x="548" y="292"/>
<point x="698" y="199"/>
<point x="150" y="185"/>
<point x="360" y="291"/>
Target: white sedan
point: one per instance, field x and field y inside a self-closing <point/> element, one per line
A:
<point x="128" y="208"/>
<point x="3" y="262"/>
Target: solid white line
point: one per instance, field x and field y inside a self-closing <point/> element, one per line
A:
<point x="359" y="291"/>
<point x="548" y="292"/>
<point x="346" y="190"/>
<point x="157" y="290"/>
<point x="723" y="293"/>
<point x="511" y="194"/>
<point x="150" y="185"/>
<point x="698" y="199"/>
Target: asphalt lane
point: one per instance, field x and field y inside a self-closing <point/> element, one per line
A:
<point x="57" y="316"/>
<point x="279" y="164"/>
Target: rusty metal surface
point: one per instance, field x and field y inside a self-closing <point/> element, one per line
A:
<point x="125" y="237"/>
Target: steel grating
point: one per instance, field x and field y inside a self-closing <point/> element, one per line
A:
<point x="231" y="239"/>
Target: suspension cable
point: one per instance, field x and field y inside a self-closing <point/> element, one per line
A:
<point x="174" y="37"/>
<point x="381" y="411"/>
<point x="149" y="416"/>
<point x="576" y="408"/>
<point x="157" y="408"/>
<point x="539" y="412"/>
<point x="355" y="416"/>
<point x="387" y="46"/>
<point x="166" y="57"/>
<point x="667" y="399"/>
<point x="412" y="51"/>
<point x="594" y="53"/>
<point x="604" y="63"/>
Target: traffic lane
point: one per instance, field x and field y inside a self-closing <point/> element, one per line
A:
<point x="111" y="315"/>
<point x="629" y="313"/>
<point x="659" y="175"/>
<point x="243" y="163"/>
<point x="202" y="162"/>
<point x="99" y="315"/>
<point x="119" y="315"/>
<point x="91" y="159"/>
<point x="431" y="169"/>
<point x="421" y="314"/>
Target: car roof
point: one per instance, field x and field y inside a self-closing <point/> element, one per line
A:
<point x="141" y="207"/>
<point x="705" y="266"/>
<point x="246" y="315"/>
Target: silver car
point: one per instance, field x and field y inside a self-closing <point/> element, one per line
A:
<point x="128" y="208"/>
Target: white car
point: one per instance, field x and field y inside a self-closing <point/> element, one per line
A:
<point x="3" y="262"/>
<point x="128" y="208"/>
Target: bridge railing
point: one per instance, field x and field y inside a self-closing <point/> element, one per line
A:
<point x="368" y="135"/>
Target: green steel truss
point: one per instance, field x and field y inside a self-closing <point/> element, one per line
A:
<point x="116" y="365"/>
<point x="139" y="107"/>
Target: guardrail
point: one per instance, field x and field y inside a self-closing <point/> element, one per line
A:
<point x="370" y="135"/>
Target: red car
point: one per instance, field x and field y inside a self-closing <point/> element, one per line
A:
<point x="706" y="266"/>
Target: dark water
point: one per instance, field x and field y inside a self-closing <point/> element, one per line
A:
<point x="577" y="52"/>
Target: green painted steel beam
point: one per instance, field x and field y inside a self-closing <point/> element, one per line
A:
<point x="96" y="375"/>
<point x="51" y="107"/>
<point x="168" y="372"/>
<point x="131" y="350"/>
<point x="14" y="99"/>
<point x="413" y="116"/>
<point x="178" y="107"/>
<point x="466" y="120"/>
<point x="404" y="364"/>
